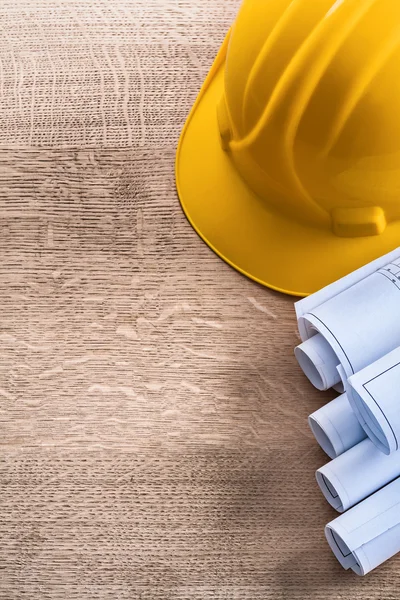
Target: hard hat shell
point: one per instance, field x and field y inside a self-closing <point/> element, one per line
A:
<point x="289" y="163"/>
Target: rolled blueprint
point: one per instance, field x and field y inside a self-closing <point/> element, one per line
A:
<point x="369" y="534"/>
<point x="318" y="362"/>
<point x="357" y="474"/>
<point x="374" y="394"/>
<point x="336" y="427"/>
<point x="358" y="316"/>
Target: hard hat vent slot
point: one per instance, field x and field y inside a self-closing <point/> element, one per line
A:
<point x="358" y="222"/>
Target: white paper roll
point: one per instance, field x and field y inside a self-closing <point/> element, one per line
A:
<point x="318" y="362"/>
<point x="308" y="304"/>
<point x="336" y="427"/>
<point x="358" y="316"/>
<point x="374" y="394"/>
<point x="361" y="324"/>
<point x="357" y="474"/>
<point x="368" y="534"/>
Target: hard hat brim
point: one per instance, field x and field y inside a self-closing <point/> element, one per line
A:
<point x="267" y="247"/>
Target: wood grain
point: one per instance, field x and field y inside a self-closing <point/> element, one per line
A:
<point x="153" y="420"/>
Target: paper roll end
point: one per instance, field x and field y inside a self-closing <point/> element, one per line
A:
<point x="374" y="422"/>
<point x="323" y="434"/>
<point x="330" y="488"/>
<point x="318" y="362"/>
<point x="342" y="552"/>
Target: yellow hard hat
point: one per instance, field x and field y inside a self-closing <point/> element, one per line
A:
<point x="289" y="163"/>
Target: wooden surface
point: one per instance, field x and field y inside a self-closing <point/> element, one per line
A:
<point x="153" y="419"/>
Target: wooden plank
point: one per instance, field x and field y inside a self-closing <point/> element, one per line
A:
<point x="153" y="419"/>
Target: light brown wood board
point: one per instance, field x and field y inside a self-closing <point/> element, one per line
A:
<point x="154" y="442"/>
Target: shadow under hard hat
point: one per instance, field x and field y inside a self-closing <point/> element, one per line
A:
<point x="288" y="166"/>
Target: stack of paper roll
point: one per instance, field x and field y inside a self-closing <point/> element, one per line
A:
<point x="350" y="335"/>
